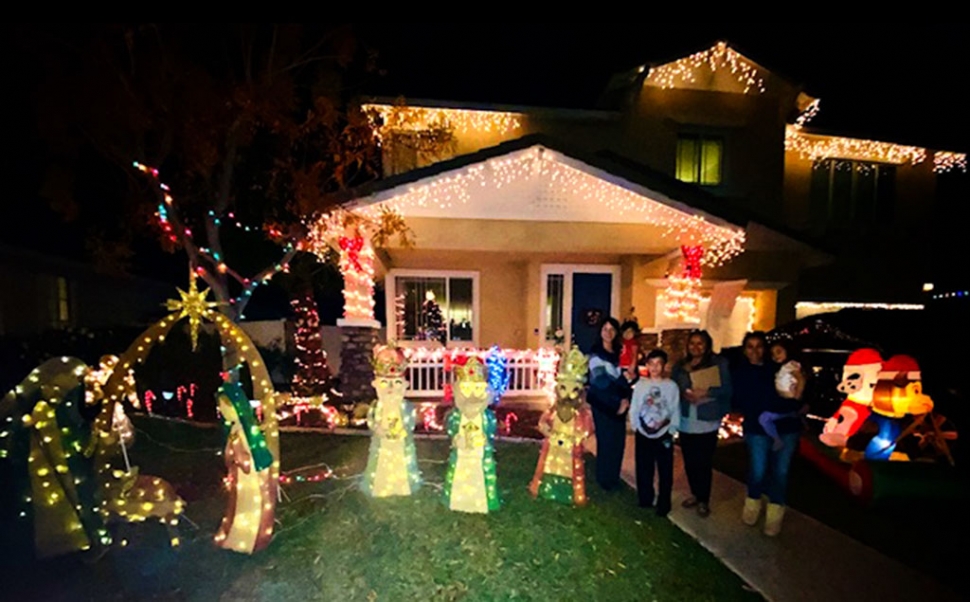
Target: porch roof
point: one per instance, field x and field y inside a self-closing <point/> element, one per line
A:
<point x="704" y="209"/>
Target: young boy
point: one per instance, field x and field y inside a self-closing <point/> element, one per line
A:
<point x="655" y="416"/>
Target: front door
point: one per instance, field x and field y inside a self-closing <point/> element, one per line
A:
<point x="576" y="299"/>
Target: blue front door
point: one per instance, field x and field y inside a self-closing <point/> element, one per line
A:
<point x="591" y="304"/>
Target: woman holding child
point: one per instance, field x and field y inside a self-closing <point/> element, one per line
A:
<point x="768" y="393"/>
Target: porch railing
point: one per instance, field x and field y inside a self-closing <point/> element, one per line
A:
<point x="531" y="372"/>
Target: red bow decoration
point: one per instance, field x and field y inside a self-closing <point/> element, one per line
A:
<point x="692" y="260"/>
<point x="353" y="247"/>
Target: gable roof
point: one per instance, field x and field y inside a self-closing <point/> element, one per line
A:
<point x="607" y="165"/>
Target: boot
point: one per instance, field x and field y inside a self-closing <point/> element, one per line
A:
<point x="773" y="518"/>
<point x="752" y="509"/>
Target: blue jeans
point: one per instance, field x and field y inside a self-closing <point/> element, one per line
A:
<point x="768" y="468"/>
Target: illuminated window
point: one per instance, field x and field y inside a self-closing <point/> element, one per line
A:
<point x="62" y="303"/>
<point x="437" y="307"/>
<point x="852" y="194"/>
<point x="699" y="159"/>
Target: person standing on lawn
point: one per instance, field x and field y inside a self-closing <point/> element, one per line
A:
<point x="609" y="398"/>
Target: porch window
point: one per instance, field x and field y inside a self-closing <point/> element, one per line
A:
<point x="699" y="159"/>
<point x="434" y="307"/>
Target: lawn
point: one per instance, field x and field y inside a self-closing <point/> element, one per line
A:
<point x="333" y="543"/>
<point x="924" y="535"/>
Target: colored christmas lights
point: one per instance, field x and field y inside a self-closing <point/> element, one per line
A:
<point x="348" y="234"/>
<point x="719" y="56"/>
<point x="560" y="473"/>
<point x="470" y="480"/>
<point x="681" y="297"/>
<point x="312" y="376"/>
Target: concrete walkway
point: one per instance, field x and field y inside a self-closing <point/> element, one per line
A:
<point x="808" y="561"/>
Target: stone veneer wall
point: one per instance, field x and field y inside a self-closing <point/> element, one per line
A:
<point x="356" y="371"/>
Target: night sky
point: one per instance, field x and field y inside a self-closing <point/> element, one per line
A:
<point x="887" y="82"/>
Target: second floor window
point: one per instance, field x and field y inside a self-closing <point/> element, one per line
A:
<point x="699" y="159"/>
<point x="852" y="194"/>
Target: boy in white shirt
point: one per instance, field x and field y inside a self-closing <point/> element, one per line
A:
<point x="655" y="416"/>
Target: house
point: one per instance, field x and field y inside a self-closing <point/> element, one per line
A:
<point x="696" y="195"/>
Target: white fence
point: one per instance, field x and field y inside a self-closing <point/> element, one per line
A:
<point x="531" y="373"/>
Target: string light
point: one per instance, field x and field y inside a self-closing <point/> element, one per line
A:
<point x="826" y="306"/>
<point x="312" y="375"/>
<point x="551" y="176"/>
<point x="952" y="295"/>
<point x="720" y="56"/>
<point x="816" y="147"/>
<point x="392" y="465"/>
<point x="346" y="232"/>
<point x="248" y="285"/>
<point x="944" y="162"/>
<point x="470" y="480"/>
<point x="560" y="474"/>
<point x="394" y="118"/>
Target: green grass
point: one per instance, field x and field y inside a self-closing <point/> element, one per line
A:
<point x="333" y="543"/>
<point x="922" y="534"/>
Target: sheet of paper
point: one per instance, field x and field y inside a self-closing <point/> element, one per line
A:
<point x="705" y="378"/>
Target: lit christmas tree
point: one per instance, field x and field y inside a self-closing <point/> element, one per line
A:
<point x="432" y="319"/>
<point x="312" y="375"/>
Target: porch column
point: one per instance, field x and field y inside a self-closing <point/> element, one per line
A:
<point x="359" y="329"/>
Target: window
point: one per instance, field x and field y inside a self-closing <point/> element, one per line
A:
<point x="555" y="295"/>
<point x="699" y="159"/>
<point x="434" y="307"/>
<point x="406" y="150"/>
<point x="62" y="303"/>
<point x="852" y="194"/>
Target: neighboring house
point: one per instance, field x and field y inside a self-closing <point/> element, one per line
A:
<point x="40" y="292"/>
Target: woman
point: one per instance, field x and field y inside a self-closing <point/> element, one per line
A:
<point x="755" y="396"/>
<point x="704" y="381"/>
<point x="248" y="524"/>
<point x="609" y="397"/>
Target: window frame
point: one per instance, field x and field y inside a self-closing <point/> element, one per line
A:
<point x="700" y="138"/>
<point x="856" y="213"/>
<point x="390" y="288"/>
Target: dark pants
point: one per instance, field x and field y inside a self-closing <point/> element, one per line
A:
<point x="698" y="452"/>
<point x="768" y="467"/>
<point x="659" y="453"/>
<point x="610" y="442"/>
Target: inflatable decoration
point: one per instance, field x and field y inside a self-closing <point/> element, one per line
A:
<point x="898" y="393"/>
<point x="392" y="465"/>
<point x="561" y="474"/>
<point x="859" y="377"/>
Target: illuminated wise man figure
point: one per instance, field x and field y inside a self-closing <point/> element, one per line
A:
<point x="560" y="474"/>
<point x="392" y="466"/>
<point x="248" y="523"/>
<point x="471" y="481"/>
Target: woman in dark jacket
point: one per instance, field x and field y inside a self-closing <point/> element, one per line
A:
<point x="701" y="412"/>
<point x="609" y="397"/>
<point x="754" y="394"/>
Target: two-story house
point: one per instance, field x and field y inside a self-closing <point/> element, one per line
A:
<point x="697" y="194"/>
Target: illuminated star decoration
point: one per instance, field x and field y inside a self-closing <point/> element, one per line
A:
<point x="193" y="306"/>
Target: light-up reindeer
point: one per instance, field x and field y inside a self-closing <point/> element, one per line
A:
<point x="124" y="495"/>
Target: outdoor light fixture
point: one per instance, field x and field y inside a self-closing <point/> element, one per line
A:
<point x="927" y="287"/>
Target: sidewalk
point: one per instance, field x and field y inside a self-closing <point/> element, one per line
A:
<point x="808" y="561"/>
